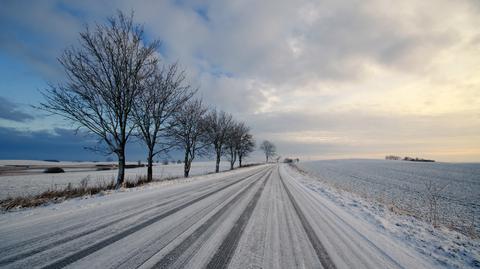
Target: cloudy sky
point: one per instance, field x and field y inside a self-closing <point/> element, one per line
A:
<point x="320" y="79"/>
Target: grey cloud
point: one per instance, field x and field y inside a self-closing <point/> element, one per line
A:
<point x="254" y="42"/>
<point x="12" y="111"/>
<point x="61" y="144"/>
<point x="249" y="39"/>
<point x="231" y="94"/>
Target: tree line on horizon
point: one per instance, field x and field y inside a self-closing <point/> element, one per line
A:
<point x="117" y="88"/>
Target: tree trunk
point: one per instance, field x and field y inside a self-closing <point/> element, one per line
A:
<point x="233" y="158"/>
<point x="121" y="168"/>
<point x="150" y="166"/>
<point x="266" y="156"/>
<point x="217" y="165"/>
<point x="186" y="165"/>
<point x="239" y="160"/>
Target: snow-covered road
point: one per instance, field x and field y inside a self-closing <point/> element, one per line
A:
<point x="258" y="217"/>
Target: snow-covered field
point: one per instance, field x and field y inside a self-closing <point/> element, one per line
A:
<point x="404" y="185"/>
<point x="21" y="185"/>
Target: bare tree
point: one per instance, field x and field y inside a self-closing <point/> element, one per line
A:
<point x="239" y="143"/>
<point x="217" y="125"/>
<point x="104" y="76"/>
<point x="187" y="130"/>
<point x="232" y="141"/>
<point x="155" y="108"/>
<point x="269" y="149"/>
<point x="247" y="145"/>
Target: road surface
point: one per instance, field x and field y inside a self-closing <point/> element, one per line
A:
<point x="257" y="217"/>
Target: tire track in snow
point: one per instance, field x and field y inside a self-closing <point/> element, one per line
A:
<point x="23" y="255"/>
<point x="143" y="257"/>
<point x="112" y="239"/>
<point x="322" y="253"/>
<point x="171" y="259"/>
<point x="225" y="252"/>
<point x="67" y="239"/>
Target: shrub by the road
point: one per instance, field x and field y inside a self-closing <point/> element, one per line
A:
<point x="54" y="170"/>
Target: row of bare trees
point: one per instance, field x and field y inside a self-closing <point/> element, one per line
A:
<point x="116" y="88"/>
<point x="201" y="131"/>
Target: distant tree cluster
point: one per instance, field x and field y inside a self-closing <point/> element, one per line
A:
<point x="117" y="88"/>
<point x="398" y="158"/>
<point x="291" y="160"/>
<point x="416" y="159"/>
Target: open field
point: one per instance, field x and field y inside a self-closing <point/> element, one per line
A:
<point x="404" y="186"/>
<point x="33" y="180"/>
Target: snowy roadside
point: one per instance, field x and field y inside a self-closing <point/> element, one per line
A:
<point x="111" y="196"/>
<point x="25" y="185"/>
<point x="446" y="248"/>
